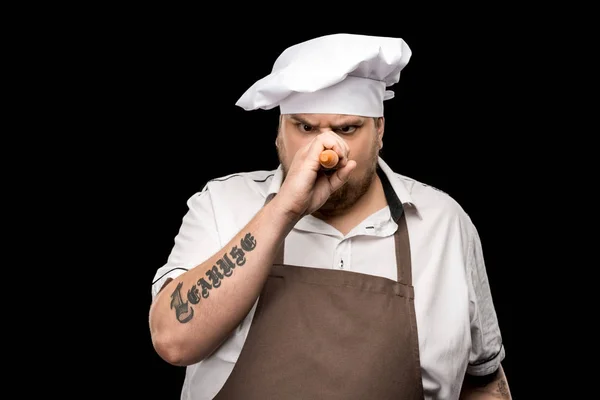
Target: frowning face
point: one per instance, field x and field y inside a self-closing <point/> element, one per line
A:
<point x="362" y="134"/>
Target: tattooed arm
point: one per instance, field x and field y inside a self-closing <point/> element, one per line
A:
<point x="493" y="386"/>
<point x="196" y="311"/>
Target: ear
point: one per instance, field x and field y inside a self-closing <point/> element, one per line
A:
<point x="279" y="126"/>
<point x="380" y="130"/>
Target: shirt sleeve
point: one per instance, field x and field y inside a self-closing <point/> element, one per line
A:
<point x="196" y="241"/>
<point x="487" y="350"/>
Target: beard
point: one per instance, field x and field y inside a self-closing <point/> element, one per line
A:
<point x="347" y="195"/>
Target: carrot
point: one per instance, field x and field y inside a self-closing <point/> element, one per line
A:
<point x="328" y="158"/>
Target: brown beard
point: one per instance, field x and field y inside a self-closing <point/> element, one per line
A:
<point x="346" y="196"/>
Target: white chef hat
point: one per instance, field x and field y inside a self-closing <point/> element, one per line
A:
<point x="333" y="74"/>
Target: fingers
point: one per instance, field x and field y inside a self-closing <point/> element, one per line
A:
<point x="329" y="140"/>
<point x="341" y="175"/>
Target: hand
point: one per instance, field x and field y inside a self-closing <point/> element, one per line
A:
<point x="306" y="188"/>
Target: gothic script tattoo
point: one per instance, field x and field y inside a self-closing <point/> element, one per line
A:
<point x="183" y="311"/>
<point x="222" y="269"/>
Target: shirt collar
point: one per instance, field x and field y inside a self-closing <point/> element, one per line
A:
<point x="397" y="186"/>
<point x="276" y="182"/>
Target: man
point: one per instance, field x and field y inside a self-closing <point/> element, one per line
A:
<point x="353" y="282"/>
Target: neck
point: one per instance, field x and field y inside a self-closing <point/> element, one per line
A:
<point x="373" y="200"/>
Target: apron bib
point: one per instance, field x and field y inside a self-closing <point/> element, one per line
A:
<point x="331" y="334"/>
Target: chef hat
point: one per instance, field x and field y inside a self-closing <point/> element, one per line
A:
<point x="333" y="74"/>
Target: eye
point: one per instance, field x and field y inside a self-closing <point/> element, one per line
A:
<point x="304" y="127"/>
<point x="348" y="129"/>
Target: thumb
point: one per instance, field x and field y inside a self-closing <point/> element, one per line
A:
<point x="341" y="175"/>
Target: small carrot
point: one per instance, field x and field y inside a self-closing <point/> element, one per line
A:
<point x="328" y="158"/>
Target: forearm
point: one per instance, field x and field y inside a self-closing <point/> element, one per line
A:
<point x="494" y="386"/>
<point x="196" y="311"/>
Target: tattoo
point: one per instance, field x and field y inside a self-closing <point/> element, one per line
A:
<point x="214" y="276"/>
<point x="492" y="385"/>
<point x="193" y="295"/>
<point x="183" y="312"/>
<point x="248" y="243"/>
<point x="503" y="389"/>
<point x="222" y="269"/>
<point x="226" y="265"/>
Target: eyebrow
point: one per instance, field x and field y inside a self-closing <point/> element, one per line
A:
<point x="348" y="122"/>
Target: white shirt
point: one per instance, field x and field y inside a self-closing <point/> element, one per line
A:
<point x="457" y="324"/>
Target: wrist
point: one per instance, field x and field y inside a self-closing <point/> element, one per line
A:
<point x="280" y="213"/>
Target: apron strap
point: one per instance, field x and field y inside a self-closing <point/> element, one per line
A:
<point x="403" y="258"/>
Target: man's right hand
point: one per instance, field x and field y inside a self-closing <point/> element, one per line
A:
<point x="305" y="189"/>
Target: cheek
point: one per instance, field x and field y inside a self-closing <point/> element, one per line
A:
<point x="292" y="145"/>
<point x="362" y="152"/>
<point x="286" y="149"/>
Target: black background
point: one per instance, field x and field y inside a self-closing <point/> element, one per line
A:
<point x="172" y="81"/>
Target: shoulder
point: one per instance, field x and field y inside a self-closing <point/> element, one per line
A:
<point x="437" y="208"/>
<point x="251" y="183"/>
<point x="233" y="199"/>
<point x="426" y="195"/>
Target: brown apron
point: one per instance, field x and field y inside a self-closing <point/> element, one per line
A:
<point x="331" y="334"/>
